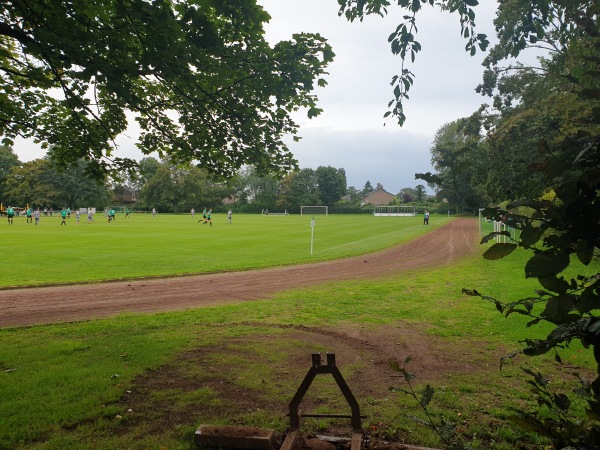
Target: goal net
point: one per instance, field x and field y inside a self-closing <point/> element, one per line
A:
<point x="266" y="212"/>
<point x="312" y="210"/>
<point x="397" y="210"/>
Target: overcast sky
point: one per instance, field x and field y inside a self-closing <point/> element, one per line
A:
<point x="351" y="132"/>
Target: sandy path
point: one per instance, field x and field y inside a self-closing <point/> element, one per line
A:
<point x="44" y="305"/>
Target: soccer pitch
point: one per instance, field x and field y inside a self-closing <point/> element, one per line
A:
<point x="141" y="246"/>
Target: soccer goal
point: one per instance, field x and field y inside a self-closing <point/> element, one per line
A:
<point x="266" y="212"/>
<point x="505" y="233"/>
<point x="394" y="211"/>
<point x="312" y="210"/>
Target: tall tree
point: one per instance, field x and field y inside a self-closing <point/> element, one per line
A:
<point x="368" y="188"/>
<point x="420" y="193"/>
<point x="454" y="156"/>
<point x="407" y="195"/>
<point x="146" y="169"/>
<point x="41" y="183"/>
<point x="332" y="184"/>
<point x="297" y="189"/>
<point x="199" y="77"/>
<point x="8" y="159"/>
<point x="176" y="189"/>
<point x="260" y="190"/>
<point x="354" y="194"/>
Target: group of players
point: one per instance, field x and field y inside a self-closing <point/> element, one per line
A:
<point x="207" y="216"/>
<point x="10" y="213"/>
<point x="65" y="214"/>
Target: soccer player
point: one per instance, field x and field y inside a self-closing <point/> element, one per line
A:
<point x="36" y="215"/>
<point x="127" y="213"/>
<point x="77" y="216"/>
<point x="111" y="214"/>
<point x="63" y="215"/>
<point x="28" y="215"/>
<point x="193" y="211"/>
<point x="90" y="218"/>
<point x="203" y="217"/>
<point x="229" y="217"/>
<point x="10" y="213"/>
<point x="154" y="213"/>
<point x="208" y="219"/>
<point x="68" y="212"/>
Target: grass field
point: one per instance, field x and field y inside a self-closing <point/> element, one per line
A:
<point x="147" y="381"/>
<point x="49" y="253"/>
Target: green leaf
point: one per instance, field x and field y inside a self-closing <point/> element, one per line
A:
<point x="498" y="251"/>
<point x="472" y="293"/>
<point x="554" y="284"/>
<point x="546" y="265"/>
<point x="494" y="235"/>
<point x="558" y="308"/>
<point x="427" y="395"/>
<point x="314" y="112"/>
<point x="585" y="255"/>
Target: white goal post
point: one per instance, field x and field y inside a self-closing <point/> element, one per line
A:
<point x="311" y="210"/>
<point x="487" y="225"/>
<point x="394" y="211"/>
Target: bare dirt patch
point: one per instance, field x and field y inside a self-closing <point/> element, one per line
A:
<point x="362" y="355"/>
<point x="32" y="306"/>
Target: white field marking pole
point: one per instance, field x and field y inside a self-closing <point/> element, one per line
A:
<point x="312" y="234"/>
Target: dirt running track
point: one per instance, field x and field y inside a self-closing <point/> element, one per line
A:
<point x="43" y="305"/>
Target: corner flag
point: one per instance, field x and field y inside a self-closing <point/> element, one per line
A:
<point x="312" y="233"/>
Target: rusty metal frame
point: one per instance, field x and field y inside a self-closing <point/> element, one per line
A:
<point x="294" y="412"/>
<point x="315" y="370"/>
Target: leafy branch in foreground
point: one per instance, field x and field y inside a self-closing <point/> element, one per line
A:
<point x="446" y="429"/>
<point x="199" y="78"/>
<point x="403" y="39"/>
<point x="557" y="416"/>
<point x="560" y="230"/>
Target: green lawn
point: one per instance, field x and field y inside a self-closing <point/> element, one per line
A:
<point x="49" y="253"/>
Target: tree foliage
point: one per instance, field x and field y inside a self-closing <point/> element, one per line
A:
<point x="454" y="156"/>
<point x="199" y="78"/>
<point x="40" y="183"/>
<point x="8" y="159"/>
<point x="299" y="188"/>
<point x="332" y="184"/>
<point x="178" y="189"/>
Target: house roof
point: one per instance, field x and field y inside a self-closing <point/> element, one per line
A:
<point x="378" y="190"/>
